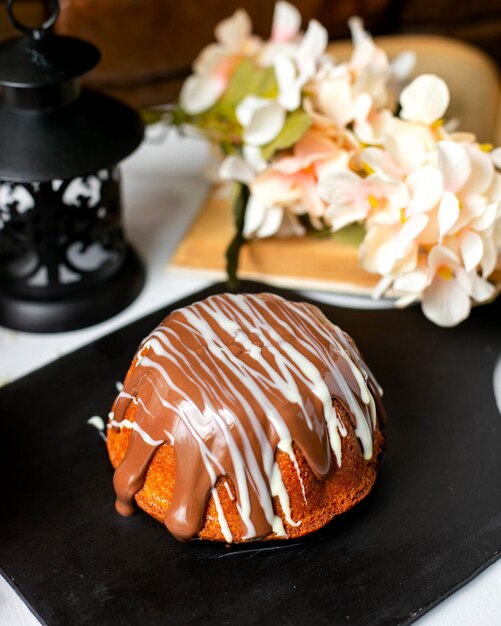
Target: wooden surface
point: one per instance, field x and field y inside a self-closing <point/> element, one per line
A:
<point x="332" y="264"/>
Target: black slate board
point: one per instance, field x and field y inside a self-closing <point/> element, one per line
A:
<point x="431" y="523"/>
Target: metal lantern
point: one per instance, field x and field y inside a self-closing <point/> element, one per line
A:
<point x="64" y="263"/>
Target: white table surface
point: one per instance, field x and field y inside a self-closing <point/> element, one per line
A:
<point x="162" y="189"/>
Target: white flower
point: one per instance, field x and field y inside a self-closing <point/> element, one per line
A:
<point x="295" y="65"/>
<point x="447" y="298"/>
<point x="261" y="220"/>
<point x="370" y="125"/>
<point x="496" y="158"/>
<point x="351" y="198"/>
<point x="286" y="23"/>
<point x="199" y="93"/>
<point x="268" y="211"/>
<point x="243" y="168"/>
<point x="425" y="99"/>
<point x="333" y="98"/>
<point x="262" y="119"/>
<point x="216" y="62"/>
<point x="429" y="197"/>
<point x="234" y="32"/>
<point x="408" y="144"/>
<point x="387" y="244"/>
<point x="285" y="32"/>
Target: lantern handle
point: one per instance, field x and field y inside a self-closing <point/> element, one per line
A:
<point x="38" y="32"/>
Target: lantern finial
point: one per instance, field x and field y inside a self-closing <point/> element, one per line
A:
<point x="36" y="33"/>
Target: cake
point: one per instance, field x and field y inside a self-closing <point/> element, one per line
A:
<point x="245" y="417"/>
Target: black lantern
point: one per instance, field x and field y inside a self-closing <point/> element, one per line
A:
<point x="64" y="263"/>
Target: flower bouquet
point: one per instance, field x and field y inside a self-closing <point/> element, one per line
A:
<point x="316" y="146"/>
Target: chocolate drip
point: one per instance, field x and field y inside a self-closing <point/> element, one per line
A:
<point x="227" y="381"/>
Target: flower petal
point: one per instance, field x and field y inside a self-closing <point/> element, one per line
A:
<point x="380" y="161"/>
<point x="290" y="226"/>
<point x="378" y="250"/>
<point x="409" y="231"/>
<point x="235" y="168"/>
<point x="357" y="30"/>
<point x="479" y="289"/>
<point x="265" y="126"/>
<point x="425" y="99"/>
<point x="448" y="213"/>
<point x="271" y="223"/>
<point x="440" y="255"/>
<point x="338" y="186"/>
<point x="402" y="65"/>
<point x="371" y="130"/>
<point x="406" y="143"/>
<point x="286" y="22"/>
<point x="254" y="158"/>
<point x="482" y="171"/>
<point x="209" y="58"/>
<point x="490" y="257"/>
<point x="472" y="249"/>
<point x="314" y="145"/>
<point x="288" y="84"/>
<point x="405" y="301"/>
<point x="254" y="216"/>
<point x="363" y="106"/>
<point x="496" y="158"/>
<point x="335" y="100"/>
<point x="445" y="303"/>
<point x="426" y="187"/>
<point x="382" y="287"/>
<point x="309" y="195"/>
<point x="199" y="93"/>
<point x="486" y="218"/>
<point x="412" y="282"/>
<point x="285" y="72"/>
<point x="494" y="191"/>
<point x="271" y="187"/>
<point x="313" y="43"/>
<point x="262" y="119"/>
<point x="454" y="163"/>
<point x="247" y="107"/>
<point x="231" y="31"/>
<point x="384" y="246"/>
<point x="366" y="58"/>
<point x="343" y="215"/>
<point x="387" y="188"/>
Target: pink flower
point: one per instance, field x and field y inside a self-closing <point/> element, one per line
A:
<point x="352" y="198"/>
<point x="447" y="298"/>
<point x="217" y="62"/>
<point x="286" y="23"/>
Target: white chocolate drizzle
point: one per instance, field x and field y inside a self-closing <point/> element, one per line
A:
<point x="228" y="381"/>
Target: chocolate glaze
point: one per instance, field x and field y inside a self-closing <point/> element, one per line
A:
<point x="229" y="380"/>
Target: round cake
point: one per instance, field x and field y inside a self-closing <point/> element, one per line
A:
<point x="245" y="417"/>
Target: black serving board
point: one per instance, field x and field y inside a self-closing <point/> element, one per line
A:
<point x="432" y="521"/>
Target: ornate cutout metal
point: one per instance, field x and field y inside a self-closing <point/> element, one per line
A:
<point x="60" y="235"/>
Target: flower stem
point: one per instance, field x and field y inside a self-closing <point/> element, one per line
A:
<point x="233" y="250"/>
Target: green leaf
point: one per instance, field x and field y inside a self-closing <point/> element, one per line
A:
<point x="295" y="126"/>
<point x="179" y="116"/>
<point x="233" y="250"/>
<point x="248" y="79"/>
<point x="351" y="235"/>
<point x="219" y="123"/>
<point x="152" y="116"/>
